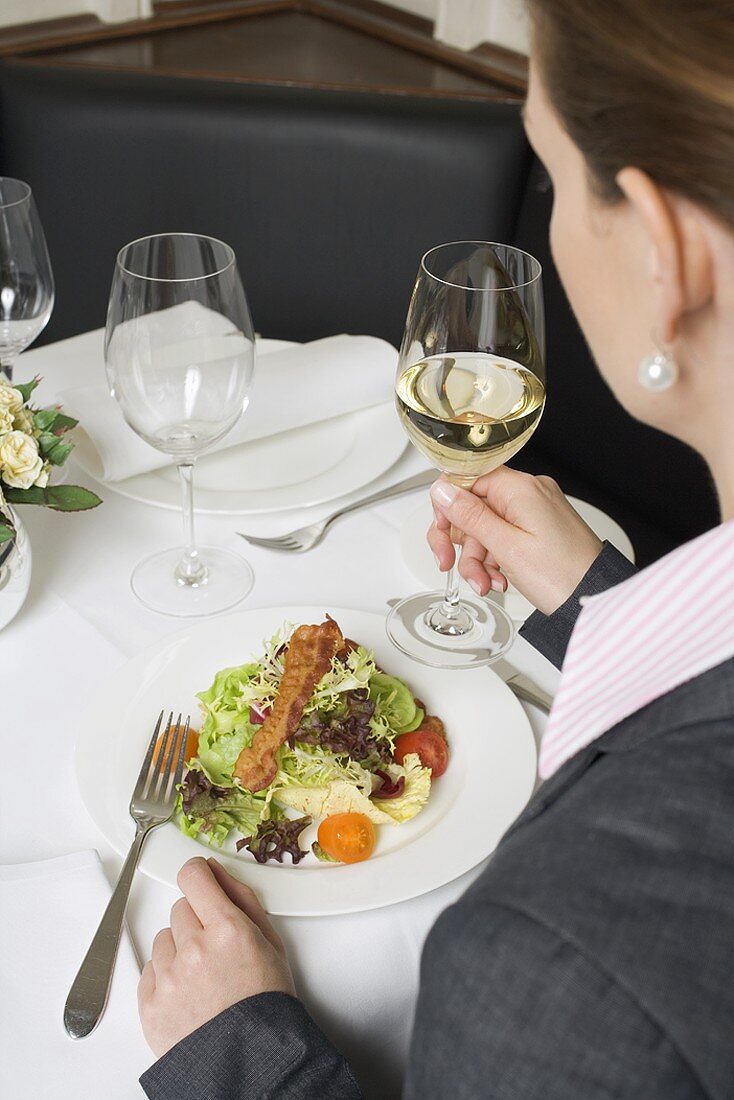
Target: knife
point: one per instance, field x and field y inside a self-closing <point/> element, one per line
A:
<point x="522" y="686"/>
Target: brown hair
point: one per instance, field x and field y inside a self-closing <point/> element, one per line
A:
<point x="648" y="83"/>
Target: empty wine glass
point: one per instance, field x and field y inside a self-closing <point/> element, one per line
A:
<point x="179" y="349"/>
<point x="470" y="391"/>
<point x="26" y="280"/>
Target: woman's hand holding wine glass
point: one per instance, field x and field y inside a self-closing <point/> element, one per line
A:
<point x="516" y="526"/>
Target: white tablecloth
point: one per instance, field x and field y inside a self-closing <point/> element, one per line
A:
<point x="81" y="621"/>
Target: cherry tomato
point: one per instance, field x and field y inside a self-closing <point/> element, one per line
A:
<point x="349" y="838"/>
<point x="432" y="750"/>
<point x="192" y="745"/>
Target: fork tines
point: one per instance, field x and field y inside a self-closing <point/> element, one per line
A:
<point x="162" y="771"/>
<point x="295" y="541"/>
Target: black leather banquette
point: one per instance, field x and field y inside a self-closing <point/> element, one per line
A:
<point x="329" y="199"/>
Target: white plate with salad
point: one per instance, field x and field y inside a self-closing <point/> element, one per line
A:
<point x="328" y="770"/>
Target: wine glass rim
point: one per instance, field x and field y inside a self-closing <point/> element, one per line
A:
<point x="191" y="279"/>
<point x="23" y="198"/>
<point x="483" y="289"/>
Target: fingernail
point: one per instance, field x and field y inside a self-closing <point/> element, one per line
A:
<point x="475" y="587"/>
<point x="443" y="492"/>
<point x="497" y="585"/>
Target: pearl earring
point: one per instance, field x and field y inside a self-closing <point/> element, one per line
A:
<point x="657" y="372"/>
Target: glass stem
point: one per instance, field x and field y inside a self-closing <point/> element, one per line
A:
<point x="449" y="609"/>
<point x="450" y="617"/>
<point x="6" y="366"/>
<point x="190" y="570"/>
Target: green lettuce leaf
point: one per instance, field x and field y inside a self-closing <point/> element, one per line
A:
<point x="227" y="728"/>
<point x="319" y="852"/>
<point x="209" y="812"/>
<point x="395" y="706"/>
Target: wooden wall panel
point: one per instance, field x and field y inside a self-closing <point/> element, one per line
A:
<point x="316" y="43"/>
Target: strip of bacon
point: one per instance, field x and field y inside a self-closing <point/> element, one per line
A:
<point x="307" y="660"/>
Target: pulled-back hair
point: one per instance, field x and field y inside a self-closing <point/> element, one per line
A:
<point x="648" y="83"/>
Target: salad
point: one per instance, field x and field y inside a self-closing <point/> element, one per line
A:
<point x="311" y="731"/>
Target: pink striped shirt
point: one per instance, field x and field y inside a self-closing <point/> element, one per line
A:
<point x="641" y="639"/>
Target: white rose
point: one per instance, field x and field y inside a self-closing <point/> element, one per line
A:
<point x="24" y="422"/>
<point x="20" y="462"/>
<point x="10" y="398"/>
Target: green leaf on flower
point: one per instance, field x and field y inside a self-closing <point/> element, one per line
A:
<point x="45" y="418"/>
<point x="6" y="533"/>
<point x="33" y="495"/>
<point x="62" y="498"/>
<point x="26" y="388"/>
<point x="71" y="498"/>
<point x="58" y="455"/>
<point x="64" y="423"/>
<point x="46" y="442"/>
<point x="53" y="448"/>
<point x="53" y="422"/>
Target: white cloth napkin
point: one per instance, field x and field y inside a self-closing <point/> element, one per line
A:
<point x="49" y="911"/>
<point x="292" y="387"/>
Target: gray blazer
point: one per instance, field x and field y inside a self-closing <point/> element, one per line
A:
<point x="594" y="956"/>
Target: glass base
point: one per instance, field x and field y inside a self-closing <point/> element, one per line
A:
<point x="490" y="632"/>
<point x="228" y="580"/>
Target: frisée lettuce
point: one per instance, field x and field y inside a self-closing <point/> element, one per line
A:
<point x="341" y="797"/>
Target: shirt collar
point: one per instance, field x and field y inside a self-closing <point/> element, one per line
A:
<point x="641" y="639"/>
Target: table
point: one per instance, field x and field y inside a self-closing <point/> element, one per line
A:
<point x="80" y="593"/>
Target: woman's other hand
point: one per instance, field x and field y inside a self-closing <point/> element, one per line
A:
<point x="219" y="949"/>
<point x="515" y="526"/>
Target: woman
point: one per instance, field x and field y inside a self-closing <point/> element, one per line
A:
<point x="593" y="957"/>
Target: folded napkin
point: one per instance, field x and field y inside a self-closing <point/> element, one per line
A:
<point x="292" y="387"/>
<point x="49" y="912"/>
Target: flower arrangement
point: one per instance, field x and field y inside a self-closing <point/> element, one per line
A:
<point x="32" y="441"/>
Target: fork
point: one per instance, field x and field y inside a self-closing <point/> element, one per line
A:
<point x="305" y="538"/>
<point x="152" y="804"/>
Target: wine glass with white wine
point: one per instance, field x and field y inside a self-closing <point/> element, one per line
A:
<point x="470" y="391"/>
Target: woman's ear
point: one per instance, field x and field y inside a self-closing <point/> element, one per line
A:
<point x="680" y="258"/>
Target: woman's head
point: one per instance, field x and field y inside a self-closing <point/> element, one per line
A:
<point x="631" y="107"/>
<point x="646" y="83"/>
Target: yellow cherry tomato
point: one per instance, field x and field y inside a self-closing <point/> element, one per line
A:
<point x="192" y="745"/>
<point x="350" y="838"/>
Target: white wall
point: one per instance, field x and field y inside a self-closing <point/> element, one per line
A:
<point x="112" y="11"/>
<point x="426" y="8"/>
<point x="460" y="23"/>
<point x="466" y="23"/>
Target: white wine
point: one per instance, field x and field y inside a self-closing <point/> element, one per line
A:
<point x="469" y="412"/>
